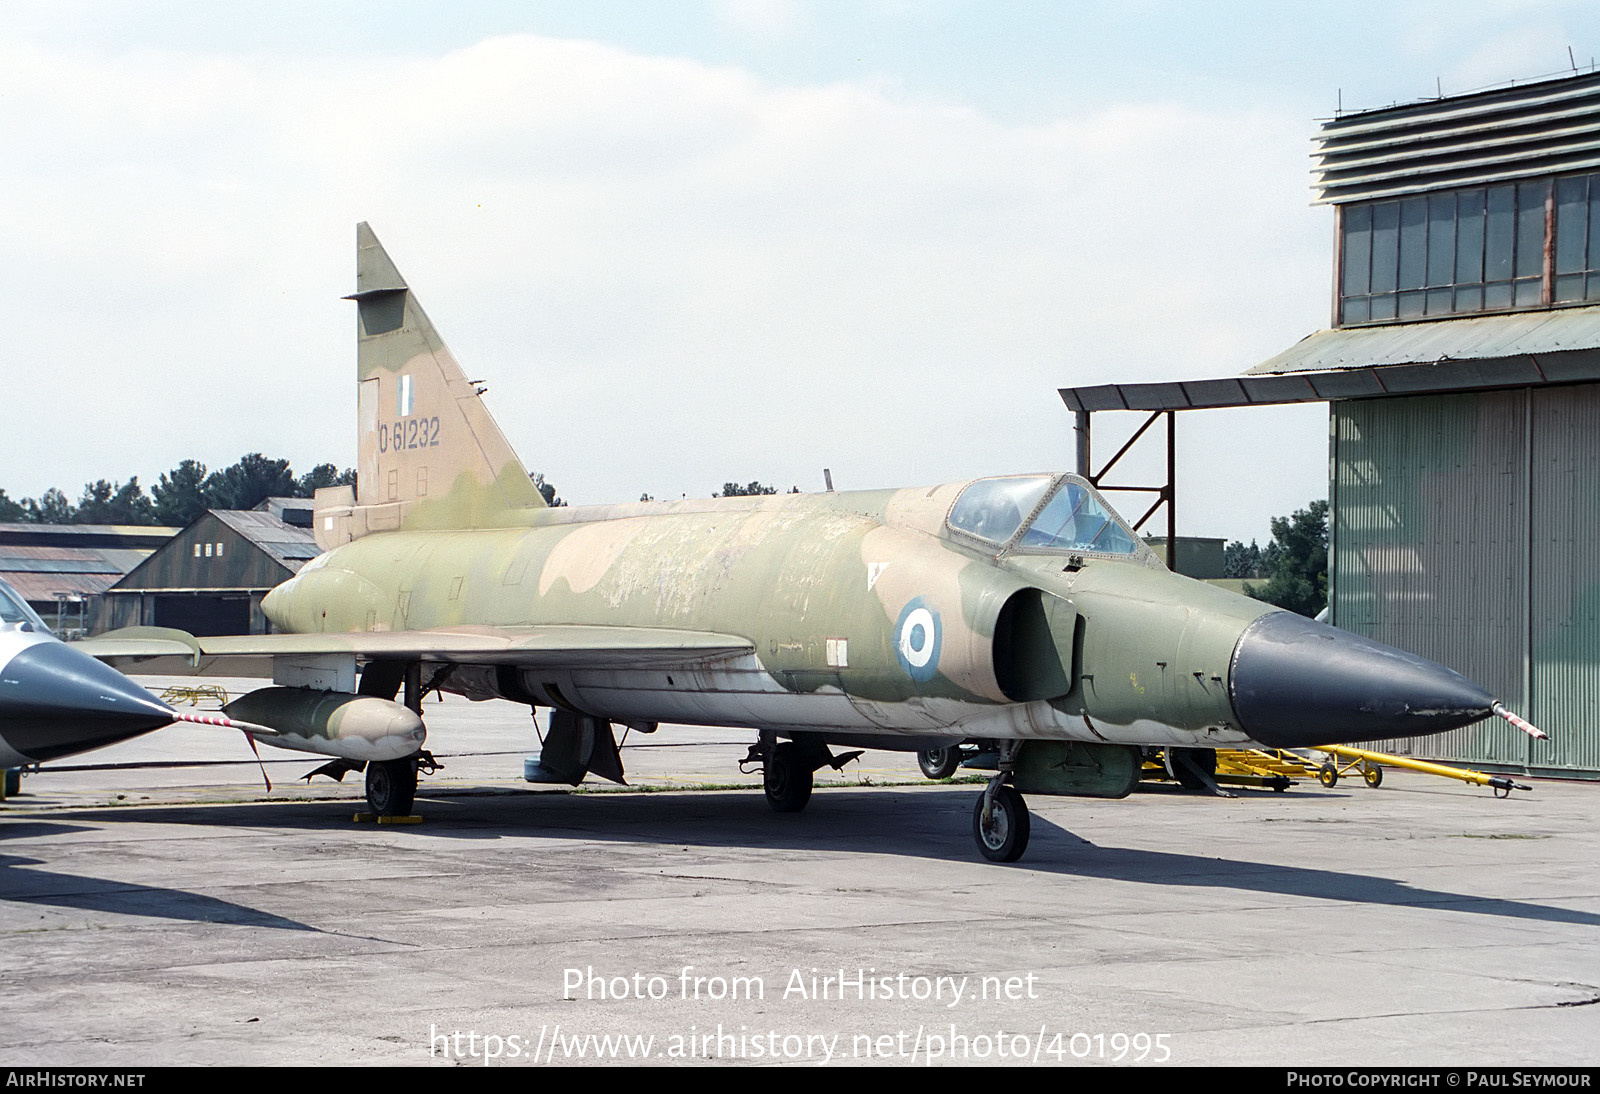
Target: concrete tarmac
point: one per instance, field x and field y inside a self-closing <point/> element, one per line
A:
<point x="158" y="914"/>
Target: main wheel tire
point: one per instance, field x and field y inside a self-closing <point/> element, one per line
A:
<point x="1374" y="776"/>
<point x="1203" y="758"/>
<point x="939" y="763"/>
<point x="1005" y="836"/>
<point x="1328" y="775"/>
<point x="786" y="779"/>
<point x="391" y="787"/>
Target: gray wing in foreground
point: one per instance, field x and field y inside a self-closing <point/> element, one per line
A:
<point x="159" y="650"/>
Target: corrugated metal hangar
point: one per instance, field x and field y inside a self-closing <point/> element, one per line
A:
<point x="1462" y="374"/>
<point x="60" y="568"/>
<point x="210" y="578"/>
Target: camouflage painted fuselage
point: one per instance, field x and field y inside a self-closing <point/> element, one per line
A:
<point x="1018" y="610"/>
<point x="868" y="615"/>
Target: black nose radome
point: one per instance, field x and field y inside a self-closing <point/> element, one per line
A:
<point x="55" y="700"/>
<point x="1297" y="683"/>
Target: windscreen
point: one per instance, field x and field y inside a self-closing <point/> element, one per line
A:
<point x="1077" y="520"/>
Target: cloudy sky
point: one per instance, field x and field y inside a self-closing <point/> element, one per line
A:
<point x="687" y="241"/>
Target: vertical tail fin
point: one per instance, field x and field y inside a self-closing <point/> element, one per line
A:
<point x="430" y="456"/>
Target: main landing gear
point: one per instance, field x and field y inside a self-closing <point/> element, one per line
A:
<point x="1000" y="820"/>
<point x="787" y="779"/>
<point x="392" y="784"/>
<point x="787" y="768"/>
<point x="391" y="787"/>
<point x="940" y="763"/>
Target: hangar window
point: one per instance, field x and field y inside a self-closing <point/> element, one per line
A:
<point x="1504" y="247"/>
<point x="1577" y="240"/>
<point x="993" y="509"/>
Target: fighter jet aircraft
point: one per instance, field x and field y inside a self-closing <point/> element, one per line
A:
<point x="1018" y="609"/>
<point x="56" y="700"/>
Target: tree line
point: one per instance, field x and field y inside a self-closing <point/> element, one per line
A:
<point x="179" y="497"/>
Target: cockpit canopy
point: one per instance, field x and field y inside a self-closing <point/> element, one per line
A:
<point x="14" y="610"/>
<point x="1041" y="513"/>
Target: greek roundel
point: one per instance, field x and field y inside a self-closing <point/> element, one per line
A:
<point x="918" y="635"/>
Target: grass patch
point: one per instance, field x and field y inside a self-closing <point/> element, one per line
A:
<point x="1504" y="835"/>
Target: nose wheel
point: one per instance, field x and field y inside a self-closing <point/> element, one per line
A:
<point x="1000" y="823"/>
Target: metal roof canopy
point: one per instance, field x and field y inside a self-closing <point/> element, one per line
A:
<point x="1465" y="354"/>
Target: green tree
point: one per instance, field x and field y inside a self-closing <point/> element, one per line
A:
<point x="1241" y="561"/>
<point x="94" y="504"/>
<point x="180" y="496"/>
<point x="11" y="511"/>
<point x="752" y="489"/>
<point x="1296" y="562"/>
<point x="546" y="491"/>
<point x="51" y="508"/>
<point x="105" y="503"/>
<point x="324" y="474"/>
<point x="131" y="505"/>
<point x="249" y="482"/>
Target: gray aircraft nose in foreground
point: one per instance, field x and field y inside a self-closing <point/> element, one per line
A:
<point x="56" y="700"/>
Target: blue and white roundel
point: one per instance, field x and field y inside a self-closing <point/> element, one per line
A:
<point x="916" y="640"/>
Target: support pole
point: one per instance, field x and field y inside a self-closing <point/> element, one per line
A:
<point x="413" y="686"/>
<point x="1081" y="427"/>
<point x="1172" y="491"/>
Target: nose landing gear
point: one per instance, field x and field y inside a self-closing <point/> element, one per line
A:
<point x="1000" y="823"/>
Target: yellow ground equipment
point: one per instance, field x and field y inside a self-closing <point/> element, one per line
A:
<point x="1260" y="767"/>
<point x="1202" y="769"/>
<point x="193" y="695"/>
<point x="1278" y="769"/>
<point x="1338" y="767"/>
<point x="1369" y="763"/>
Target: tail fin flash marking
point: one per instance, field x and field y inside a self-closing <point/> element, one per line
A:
<point x="440" y="461"/>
